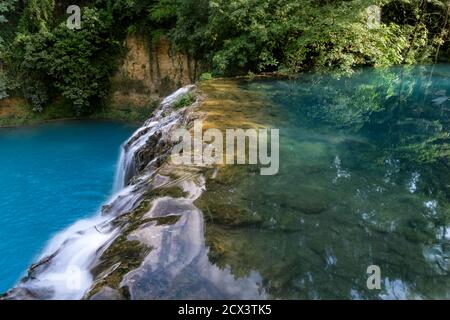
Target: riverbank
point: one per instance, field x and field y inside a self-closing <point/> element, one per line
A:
<point x="16" y="112"/>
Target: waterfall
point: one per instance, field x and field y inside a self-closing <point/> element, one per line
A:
<point x="64" y="268"/>
<point x="63" y="271"/>
<point x="119" y="176"/>
<point x="159" y="122"/>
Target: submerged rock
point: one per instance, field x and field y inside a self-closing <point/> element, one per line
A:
<point x="107" y="293"/>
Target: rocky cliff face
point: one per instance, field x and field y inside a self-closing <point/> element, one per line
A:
<point x="150" y="71"/>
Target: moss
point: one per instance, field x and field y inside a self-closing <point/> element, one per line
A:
<point x="164" y="220"/>
<point x="124" y="255"/>
<point x="185" y="101"/>
<point x="174" y="192"/>
<point x="227" y="214"/>
<point x="223" y="207"/>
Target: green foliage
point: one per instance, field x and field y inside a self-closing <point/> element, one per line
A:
<point x="206" y="76"/>
<point x="6" y="9"/>
<point x="6" y="6"/>
<point x="237" y="36"/>
<point x="267" y="35"/>
<point x="185" y="101"/>
<point x="3" y="85"/>
<point x="38" y="15"/>
<point x="76" y="63"/>
<point x="79" y="61"/>
<point x="228" y="37"/>
<point x="163" y="12"/>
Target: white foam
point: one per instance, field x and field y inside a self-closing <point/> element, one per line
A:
<point x="73" y="252"/>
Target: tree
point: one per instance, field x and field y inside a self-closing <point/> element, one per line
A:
<point x="77" y="63"/>
<point x="6" y="7"/>
<point x="228" y="37"/>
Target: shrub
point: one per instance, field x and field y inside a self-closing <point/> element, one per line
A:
<point x="3" y="85"/>
<point x="185" y="101"/>
<point x="206" y="76"/>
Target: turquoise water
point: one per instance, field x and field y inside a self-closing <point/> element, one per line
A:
<point x="364" y="180"/>
<point x="51" y="176"/>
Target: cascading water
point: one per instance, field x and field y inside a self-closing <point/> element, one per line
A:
<point x="159" y="122"/>
<point x="64" y="269"/>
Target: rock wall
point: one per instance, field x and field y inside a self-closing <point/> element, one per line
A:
<point x="150" y="71"/>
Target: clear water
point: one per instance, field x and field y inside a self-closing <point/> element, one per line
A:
<point x="364" y="180"/>
<point x="51" y="176"/>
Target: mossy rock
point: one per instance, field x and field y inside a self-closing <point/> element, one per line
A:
<point x="227" y="214"/>
<point x="125" y="255"/>
<point x="107" y="293"/>
<point x="165" y="220"/>
<point x="173" y="192"/>
<point x="121" y="257"/>
<point x="307" y="200"/>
